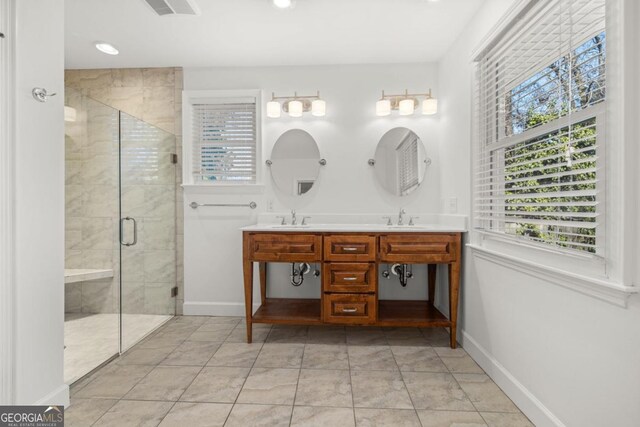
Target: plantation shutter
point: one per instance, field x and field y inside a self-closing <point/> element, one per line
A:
<point x="224" y="141"/>
<point x="539" y="169"/>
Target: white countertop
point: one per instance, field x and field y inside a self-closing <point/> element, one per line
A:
<point x="74" y="275"/>
<point x="366" y="223"/>
<point x="357" y="228"/>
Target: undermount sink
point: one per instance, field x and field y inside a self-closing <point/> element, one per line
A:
<point x="290" y="226"/>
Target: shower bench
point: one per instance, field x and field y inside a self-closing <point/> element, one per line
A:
<point x="350" y="262"/>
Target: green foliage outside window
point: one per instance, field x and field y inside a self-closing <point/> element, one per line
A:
<point x="555" y="173"/>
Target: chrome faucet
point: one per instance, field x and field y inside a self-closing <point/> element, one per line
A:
<point x="294" y="220"/>
<point x="400" y="218"/>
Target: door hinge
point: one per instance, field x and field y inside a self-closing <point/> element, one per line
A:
<point x="174" y="158"/>
<point x="174" y="292"/>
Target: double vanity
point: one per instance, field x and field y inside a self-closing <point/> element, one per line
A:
<point x="350" y="257"/>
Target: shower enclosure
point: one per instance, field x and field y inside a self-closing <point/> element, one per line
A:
<point x="120" y="232"/>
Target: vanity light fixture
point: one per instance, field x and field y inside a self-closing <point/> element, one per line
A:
<point x="107" y="48"/>
<point x="318" y="107"/>
<point x="406" y="103"/>
<point x="295" y="108"/>
<point x="429" y="106"/>
<point x="406" y="107"/>
<point x="273" y="109"/>
<point x="296" y="105"/>
<point x="383" y="107"/>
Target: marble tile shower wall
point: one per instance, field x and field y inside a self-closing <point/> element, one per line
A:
<point x="91" y="187"/>
<point x="155" y="96"/>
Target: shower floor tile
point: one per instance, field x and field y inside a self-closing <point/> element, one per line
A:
<point x="91" y="339"/>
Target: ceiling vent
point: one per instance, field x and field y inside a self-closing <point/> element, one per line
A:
<point x="173" y="7"/>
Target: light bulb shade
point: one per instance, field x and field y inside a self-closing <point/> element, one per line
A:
<point x="430" y="106"/>
<point x="295" y="108"/>
<point x="406" y="107"/>
<point x="70" y="114"/>
<point x="318" y="108"/>
<point x="383" y="107"/>
<point x="273" y="109"/>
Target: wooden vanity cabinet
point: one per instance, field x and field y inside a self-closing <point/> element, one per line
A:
<point x="350" y="263"/>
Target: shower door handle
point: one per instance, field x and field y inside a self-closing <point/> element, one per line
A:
<point x="135" y="231"/>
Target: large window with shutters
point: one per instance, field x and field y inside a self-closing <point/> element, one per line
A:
<point x="541" y="96"/>
<point x="223" y="137"/>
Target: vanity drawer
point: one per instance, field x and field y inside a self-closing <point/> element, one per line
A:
<point x="350" y="248"/>
<point x="349" y="277"/>
<point x="285" y="247"/>
<point x="349" y="308"/>
<point x="435" y="248"/>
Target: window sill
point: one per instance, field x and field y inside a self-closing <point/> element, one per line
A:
<point x="223" y="188"/>
<point x="606" y="290"/>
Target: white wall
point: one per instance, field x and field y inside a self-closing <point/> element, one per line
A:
<point x="39" y="205"/>
<point x="563" y="357"/>
<point x="347" y="138"/>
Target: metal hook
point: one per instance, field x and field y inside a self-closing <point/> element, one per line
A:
<point x="40" y="94"/>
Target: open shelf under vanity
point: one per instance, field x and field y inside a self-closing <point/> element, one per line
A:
<point x="289" y="311"/>
<point x="390" y="313"/>
<point x="409" y="313"/>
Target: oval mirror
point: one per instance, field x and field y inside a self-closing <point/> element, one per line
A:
<point x="295" y="162"/>
<point x="400" y="161"/>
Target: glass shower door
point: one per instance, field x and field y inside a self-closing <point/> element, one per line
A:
<point x="147" y="228"/>
<point x="92" y="307"/>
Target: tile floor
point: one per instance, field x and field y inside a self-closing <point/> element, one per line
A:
<point x="198" y="371"/>
<point x="92" y="339"/>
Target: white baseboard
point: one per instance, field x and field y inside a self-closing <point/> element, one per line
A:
<point x="215" y="308"/>
<point x="59" y="396"/>
<point x="530" y="405"/>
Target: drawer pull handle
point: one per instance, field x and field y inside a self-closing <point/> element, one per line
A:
<point x="350" y="279"/>
<point x="350" y="249"/>
<point x="349" y="310"/>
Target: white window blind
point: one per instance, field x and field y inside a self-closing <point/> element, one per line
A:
<point x="540" y="98"/>
<point x="224" y="141"/>
<point x="407" y="158"/>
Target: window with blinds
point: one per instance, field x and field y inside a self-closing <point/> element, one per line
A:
<point x="540" y="100"/>
<point x="224" y="141"/>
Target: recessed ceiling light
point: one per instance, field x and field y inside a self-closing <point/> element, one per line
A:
<point x="283" y="4"/>
<point x="107" y="48"/>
